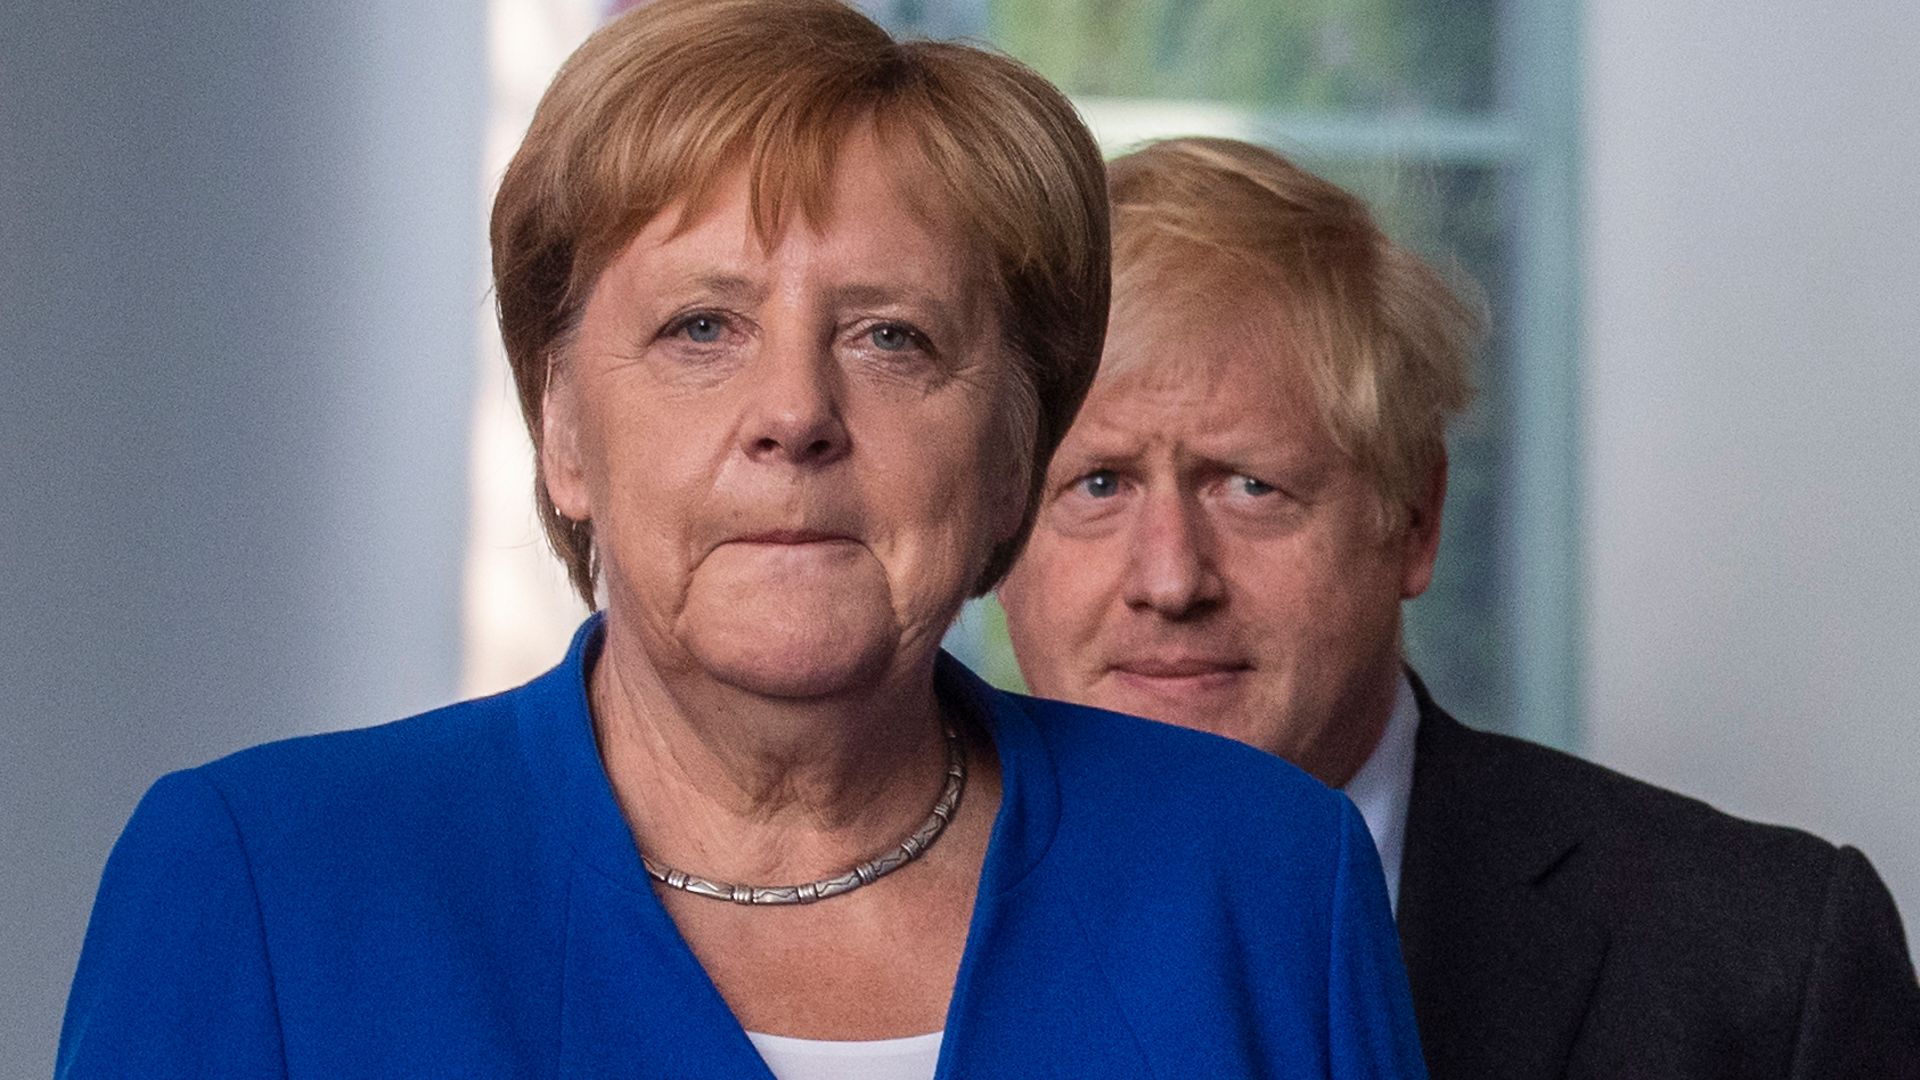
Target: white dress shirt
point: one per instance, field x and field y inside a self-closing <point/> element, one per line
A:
<point x="1385" y="782"/>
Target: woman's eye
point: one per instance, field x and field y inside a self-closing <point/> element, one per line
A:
<point x="891" y="337"/>
<point x="1247" y="485"/>
<point x="703" y="329"/>
<point x="1102" y="484"/>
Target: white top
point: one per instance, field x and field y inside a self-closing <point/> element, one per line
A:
<point x="1384" y="784"/>
<point x="788" y="1058"/>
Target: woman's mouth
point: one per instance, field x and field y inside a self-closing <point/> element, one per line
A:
<point x="792" y="537"/>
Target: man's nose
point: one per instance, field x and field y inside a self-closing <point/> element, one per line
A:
<point x="1171" y="566"/>
<point x="794" y="402"/>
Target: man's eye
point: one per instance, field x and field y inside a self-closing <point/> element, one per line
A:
<point x="1100" y="485"/>
<point x="1247" y="485"/>
<point x="891" y="337"/>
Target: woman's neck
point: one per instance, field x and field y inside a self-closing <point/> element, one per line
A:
<point x="736" y="786"/>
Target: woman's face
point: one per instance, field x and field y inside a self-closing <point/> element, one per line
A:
<point x="791" y="455"/>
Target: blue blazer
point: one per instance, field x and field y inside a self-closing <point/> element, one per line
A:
<point x="457" y="895"/>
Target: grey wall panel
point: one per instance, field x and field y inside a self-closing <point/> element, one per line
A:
<point x="1753" y="398"/>
<point x="240" y="261"/>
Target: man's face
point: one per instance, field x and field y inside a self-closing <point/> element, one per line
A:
<point x="1206" y="555"/>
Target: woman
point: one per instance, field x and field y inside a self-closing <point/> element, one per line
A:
<point x="797" y="315"/>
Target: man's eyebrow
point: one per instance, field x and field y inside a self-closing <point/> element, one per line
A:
<point x="1304" y="473"/>
<point x="1091" y="450"/>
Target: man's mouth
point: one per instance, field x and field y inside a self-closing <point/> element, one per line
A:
<point x="1179" y="676"/>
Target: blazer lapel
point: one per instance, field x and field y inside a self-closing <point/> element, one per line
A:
<point x="634" y="1000"/>
<point x="1031" y="998"/>
<point x="635" y="1003"/>
<point x="1501" y="975"/>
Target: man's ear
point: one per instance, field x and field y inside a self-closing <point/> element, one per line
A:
<point x="562" y="467"/>
<point x="1420" y="541"/>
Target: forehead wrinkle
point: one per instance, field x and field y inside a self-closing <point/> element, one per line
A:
<point x="1185" y="352"/>
<point x="943" y="231"/>
<point x="1114" y="437"/>
<point x="1174" y="410"/>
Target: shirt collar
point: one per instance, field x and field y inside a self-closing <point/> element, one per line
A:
<point x="1381" y="788"/>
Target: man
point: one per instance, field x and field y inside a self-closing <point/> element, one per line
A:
<point x="1251" y="490"/>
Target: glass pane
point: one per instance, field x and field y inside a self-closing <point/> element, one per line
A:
<point x="1350" y="56"/>
<point x="1456" y="634"/>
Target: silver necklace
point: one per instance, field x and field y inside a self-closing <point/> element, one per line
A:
<point x="866" y="873"/>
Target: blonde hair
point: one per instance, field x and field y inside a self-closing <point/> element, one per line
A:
<point x="1386" y="343"/>
<point x="668" y="99"/>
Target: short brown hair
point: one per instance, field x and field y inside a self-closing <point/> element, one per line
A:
<point x="1386" y="342"/>
<point x="667" y="99"/>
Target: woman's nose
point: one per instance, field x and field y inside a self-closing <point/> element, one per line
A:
<point x="794" y="415"/>
<point x="1171" y="568"/>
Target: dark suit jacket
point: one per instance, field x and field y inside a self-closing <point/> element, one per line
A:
<point x="1561" y="920"/>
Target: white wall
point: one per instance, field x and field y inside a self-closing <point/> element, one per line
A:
<point x="1752" y="386"/>
<point x="239" y="269"/>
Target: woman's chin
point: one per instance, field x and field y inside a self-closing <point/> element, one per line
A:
<point x="806" y="638"/>
<point x="799" y="674"/>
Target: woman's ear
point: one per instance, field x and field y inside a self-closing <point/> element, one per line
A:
<point x="562" y="468"/>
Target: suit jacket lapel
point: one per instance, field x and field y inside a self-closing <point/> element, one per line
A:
<point x="1501" y="975"/>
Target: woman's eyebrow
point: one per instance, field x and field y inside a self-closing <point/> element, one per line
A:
<point x="863" y="295"/>
<point x="732" y="288"/>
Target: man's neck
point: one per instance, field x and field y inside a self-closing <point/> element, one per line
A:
<point x="1382" y="788"/>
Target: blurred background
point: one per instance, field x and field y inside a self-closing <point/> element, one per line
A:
<point x="261" y="472"/>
